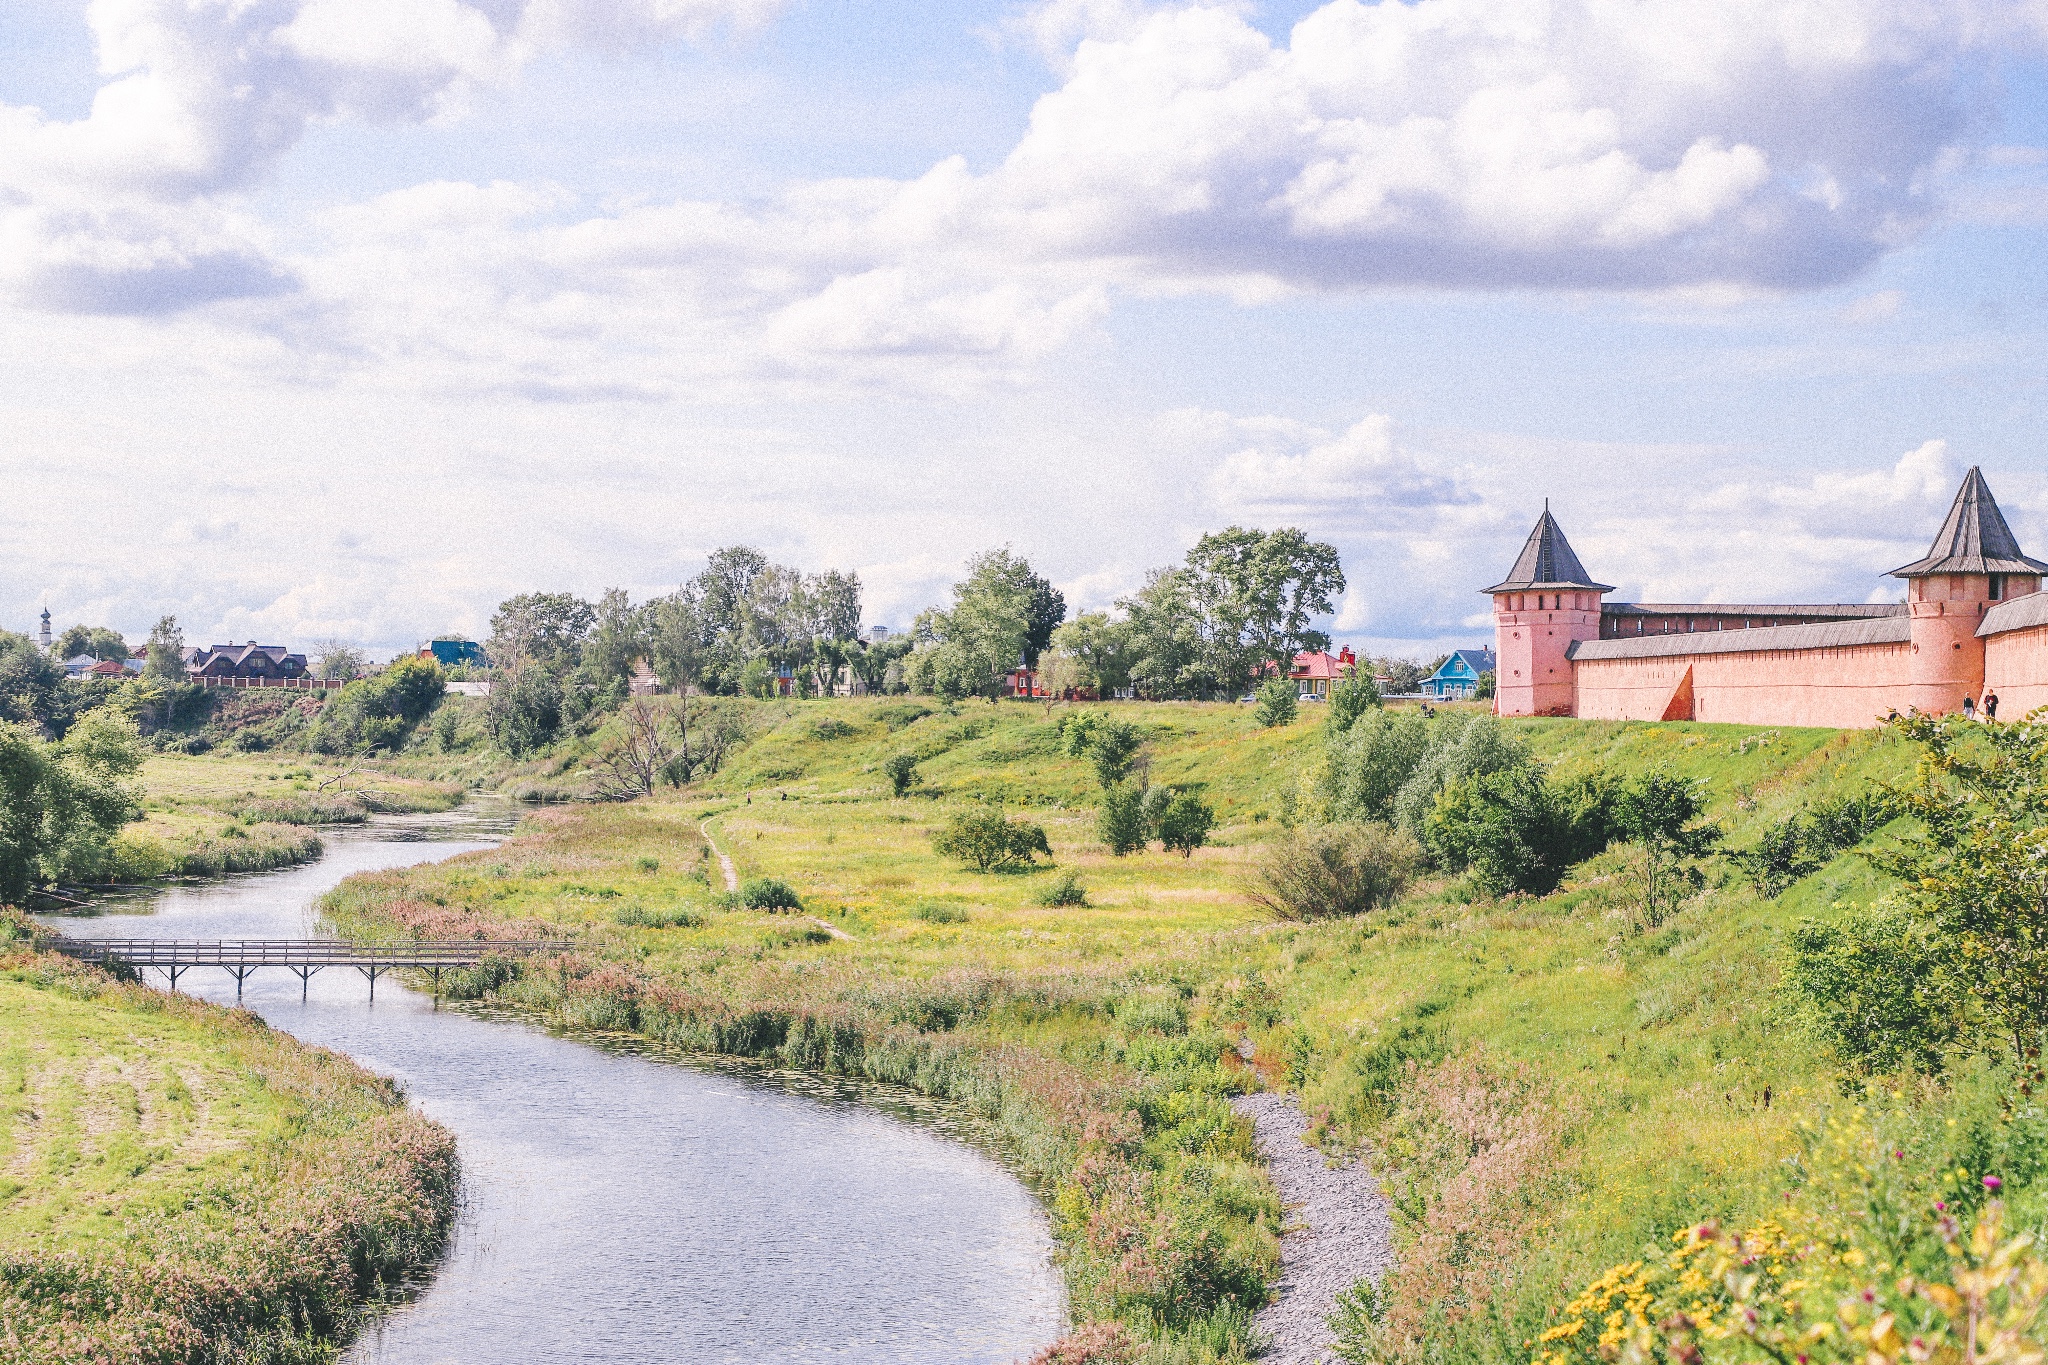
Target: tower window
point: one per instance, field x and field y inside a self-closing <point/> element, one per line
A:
<point x="1997" y="586"/>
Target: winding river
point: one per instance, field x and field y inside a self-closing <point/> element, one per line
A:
<point x="624" y="1206"/>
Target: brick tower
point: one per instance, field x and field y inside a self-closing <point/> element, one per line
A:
<point x="1973" y="564"/>
<point x="1545" y="603"/>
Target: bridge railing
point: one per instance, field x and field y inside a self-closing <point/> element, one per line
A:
<point x="162" y="952"/>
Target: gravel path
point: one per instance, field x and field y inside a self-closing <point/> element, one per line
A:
<point x="1339" y="1228"/>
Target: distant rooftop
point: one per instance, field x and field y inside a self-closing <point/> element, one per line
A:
<point x="1974" y="538"/>
<point x="1547" y="561"/>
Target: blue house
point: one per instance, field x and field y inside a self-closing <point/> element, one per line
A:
<point x="1458" y="676"/>
<point x="450" y="651"/>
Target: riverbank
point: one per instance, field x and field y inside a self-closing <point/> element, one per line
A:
<point x="1565" y="1063"/>
<point x="218" y="814"/>
<point x="180" y="1182"/>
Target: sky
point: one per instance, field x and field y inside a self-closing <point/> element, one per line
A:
<point x="350" y="318"/>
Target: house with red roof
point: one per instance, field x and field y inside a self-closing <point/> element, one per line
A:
<point x="1318" y="672"/>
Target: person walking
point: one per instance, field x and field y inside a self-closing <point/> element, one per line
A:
<point x="1969" y="708"/>
<point x="1990" y="705"/>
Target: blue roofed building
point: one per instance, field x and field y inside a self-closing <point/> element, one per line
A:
<point x="1457" y="677"/>
<point x="453" y="651"/>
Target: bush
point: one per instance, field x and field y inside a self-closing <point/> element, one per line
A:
<point x="1350" y="699"/>
<point x="1517" y="830"/>
<point x="940" y="912"/>
<point x="1868" y="982"/>
<point x="1279" y="702"/>
<point x="1113" y="748"/>
<point x="903" y="773"/>
<point x="662" y="917"/>
<point x="1064" y="889"/>
<point x="769" y="893"/>
<point x="983" y="840"/>
<point x="1805" y="842"/>
<point x="1346" y="869"/>
<point x="1370" y="761"/>
<point x="1185" y="823"/>
<point x="1120" y="824"/>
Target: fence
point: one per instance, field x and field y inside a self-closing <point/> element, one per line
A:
<point x="302" y="684"/>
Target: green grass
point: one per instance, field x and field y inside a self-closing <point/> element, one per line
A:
<point x="1549" y="1083"/>
<point x="177" y="1181"/>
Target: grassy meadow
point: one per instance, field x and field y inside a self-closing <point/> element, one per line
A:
<point x="179" y="1182"/>
<point x="221" y="813"/>
<point x="1548" y="1083"/>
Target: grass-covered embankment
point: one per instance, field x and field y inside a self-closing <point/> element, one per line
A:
<point x="179" y="1182"/>
<point x="210" y="815"/>
<point x="1549" y="1082"/>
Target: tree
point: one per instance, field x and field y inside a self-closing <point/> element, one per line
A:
<point x="985" y="841"/>
<point x="1517" y="830"/>
<point x="31" y="685"/>
<point x="546" y="628"/>
<point x="1341" y="869"/>
<point x="334" y="658"/>
<point x="1279" y="702"/>
<point x="1120" y="823"/>
<point x="1658" y="810"/>
<point x="1185" y="824"/>
<point x="1257" y="592"/>
<point x="1091" y="652"/>
<point x="524" y="709"/>
<point x="60" y="804"/>
<point x="649" y="746"/>
<point x="166" y="647"/>
<point x="1351" y="698"/>
<point x="1487" y="685"/>
<point x="618" y="640"/>
<point x="969" y="649"/>
<point x="1168" y="658"/>
<point x="676" y="647"/>
<point x="903" y="773"/>
<point x="97" y="642"/>
<point x="1113" y="747"/>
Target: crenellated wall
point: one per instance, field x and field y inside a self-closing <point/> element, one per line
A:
<point x="1847" y="675"/>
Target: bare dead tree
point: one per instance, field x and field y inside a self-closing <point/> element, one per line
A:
<point x="643" y="755"/>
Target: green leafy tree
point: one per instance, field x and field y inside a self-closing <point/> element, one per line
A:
<point x="1168" y="652"/>
<point x="1113" y="748"/>
<point x="166" y="662"/>
<point x="619" y="639"/>
<point x="1516" y="829"/>
<point x="757" y="679"/>
<point x="1487" y="683"/>
<point x="998" y="612"/>
<point x="544" y="628"/>
<point x="1257" y="592"/>
<point x="1185" y="824"/>
<point x="1120" y="823"/>
<point x="987" y="842"/>
<point x="95" y="641"/>
<point x="1092" y="652"/>
<point x="676" y="647"/>
<point x="1877" y="984"/>
<point x="902" y="772"/>
<point x="61" y="804"/>
<point x="1279" y="702"/>
<point x="524" y="710"/>
<point x="32" y="687"/>
<point x="1660" y="811"/>
<point x="1351" y="698"/>
<point x="340" y="660"/>
<point x="1370" y="761"/>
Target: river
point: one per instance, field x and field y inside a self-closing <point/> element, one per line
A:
<point x="624" y="1206"/>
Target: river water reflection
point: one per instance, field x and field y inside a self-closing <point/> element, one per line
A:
<point x="627" y="1207"/>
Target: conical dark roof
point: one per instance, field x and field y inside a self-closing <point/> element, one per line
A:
<point x="1974" y="539"/>
<point x="1547" y="561"/>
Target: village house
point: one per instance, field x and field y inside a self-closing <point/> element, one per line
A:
<point x="1316" y="672"/>
<point x="454" y="651"/>
<point x="1457" y="677"/>
<point x="1974" y="626"/>
<point x="243" y="665"/>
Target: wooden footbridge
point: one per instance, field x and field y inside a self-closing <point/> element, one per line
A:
<point x="301" y="956"/>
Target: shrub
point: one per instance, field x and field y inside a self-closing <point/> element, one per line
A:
<point x="987" y="842"/>
<point x="1120" y="824"/>
<point x="1458" y="745"/>
<point x="1350" y="699"/>
<point x="1657" y="810"/>
<point x="1113" y="748"/>
<point x="1185" y="823"/>
<point x="940" y="912"/>
<point x="896" y="715"/>
<point x="1806" y="842"/>
<point x="1517" y="830"/>
<point x="1063" y="889"/>
<point x="1370" y="761"/>
<point x="903" y="773"/>
<point x="769" y="893"/>
<point x="647" y="864"/>
<point x="660" y="917"/>
<point x="831" y="728"/>
<point x="1332" y="870"/>
<point x="1868" y="982"/>
<point x="1279" y="702"/>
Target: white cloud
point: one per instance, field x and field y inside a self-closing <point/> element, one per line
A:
<point x="1357" y="476"/>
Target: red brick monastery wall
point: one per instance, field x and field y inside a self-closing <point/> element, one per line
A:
<point x="2016" y="668"/>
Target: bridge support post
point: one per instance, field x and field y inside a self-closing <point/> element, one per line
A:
<point x="241" y="974"/>
<point x="371" y="972"/>
<point x="172" y="972"/>
<point x="305" y="981"/>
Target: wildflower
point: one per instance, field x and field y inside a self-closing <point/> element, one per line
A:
<point x="1992" y="1182"/>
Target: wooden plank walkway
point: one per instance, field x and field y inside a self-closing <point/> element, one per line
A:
<point x="301" y="956"/>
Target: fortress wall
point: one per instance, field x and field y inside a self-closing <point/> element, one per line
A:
<point x="1849" y="686"/>
<point x="2016" y="668"/>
